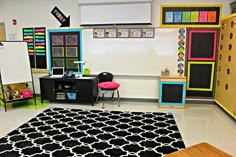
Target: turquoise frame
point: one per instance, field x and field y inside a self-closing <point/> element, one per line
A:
<point x="172" y="103"/>
<point x="80" y="45"/>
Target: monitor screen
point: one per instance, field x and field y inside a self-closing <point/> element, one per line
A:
<point x="57" y="70"/>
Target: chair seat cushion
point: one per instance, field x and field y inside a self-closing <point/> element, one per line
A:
<point x="108" y="85"/>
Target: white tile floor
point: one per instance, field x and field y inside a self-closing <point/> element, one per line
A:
<point x="197" y="123"/>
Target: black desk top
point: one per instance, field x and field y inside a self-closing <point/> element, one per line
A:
<point x="84" y="77"/>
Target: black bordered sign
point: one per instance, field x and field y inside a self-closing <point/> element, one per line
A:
<point x="191" y="15"/>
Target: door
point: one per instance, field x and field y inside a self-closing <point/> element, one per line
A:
<point x="2" y="32"/>
<point x="47" y="89"/>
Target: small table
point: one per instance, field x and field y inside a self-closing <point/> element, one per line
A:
<point x="172" y="91"/>
<point x="199" y="150"/>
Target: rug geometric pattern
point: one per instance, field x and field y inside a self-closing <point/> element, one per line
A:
<point x="58" y="132"/>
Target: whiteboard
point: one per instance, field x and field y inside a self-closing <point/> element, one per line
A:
<point x="132" y="56"/>
<point x="115" y="13"/>
<point x="14" y="63"/>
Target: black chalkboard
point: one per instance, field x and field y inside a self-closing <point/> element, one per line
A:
<point x="172" y="93"/>
<point x="200" y="76"/>
<point x="202" y="44"/>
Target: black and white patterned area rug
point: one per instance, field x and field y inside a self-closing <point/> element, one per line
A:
<point x="58" y="132"/>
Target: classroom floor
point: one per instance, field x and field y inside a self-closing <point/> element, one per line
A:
<point x="197" y="123"/>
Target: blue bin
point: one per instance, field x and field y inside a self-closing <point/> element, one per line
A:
<point x="71" y="95"/>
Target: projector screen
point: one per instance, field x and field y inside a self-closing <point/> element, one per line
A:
<point x="115" y="13"/>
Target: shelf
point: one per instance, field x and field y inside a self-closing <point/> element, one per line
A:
<point x="17" y="99"/>
<point x="66" y="90"/>
<point x="61" y="99"/>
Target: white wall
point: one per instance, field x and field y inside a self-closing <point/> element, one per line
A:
<point x="37" y="13"/>
<point x="226" y="10"/>
<point x="1" y="10"/>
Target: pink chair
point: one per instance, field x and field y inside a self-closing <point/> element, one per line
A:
<point x="105" y="83"/>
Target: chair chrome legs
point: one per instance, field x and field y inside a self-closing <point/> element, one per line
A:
<point x="112" y="97"/>
<point x="118" y="96"/>
<point x="103" y="98"/>
<point x="97" y="97"/>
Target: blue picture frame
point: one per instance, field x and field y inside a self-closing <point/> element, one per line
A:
<point x="171" y="102"/>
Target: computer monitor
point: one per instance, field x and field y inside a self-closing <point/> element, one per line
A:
<point x="57" y="72"/>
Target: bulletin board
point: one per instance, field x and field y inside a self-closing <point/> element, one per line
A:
<point x="191" y="15"/>
<point x="172" y="93"/>
<point x="133" y="56"/>
<point x="65" y="47"/>
<point x="202" y="44"/>
<point x="200" y="76"/>
<point x="14" y="63"/>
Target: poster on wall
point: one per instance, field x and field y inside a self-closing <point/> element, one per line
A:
<point x="110" y="33"/>
<point x="148" y="32"/>
<point x="98" y="33"/>
<point x="135" y="33"/>
<point x="122" y="32"/>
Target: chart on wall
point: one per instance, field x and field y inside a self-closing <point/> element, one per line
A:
<point x="36" y="43"/>
<point x="135" y="56"/>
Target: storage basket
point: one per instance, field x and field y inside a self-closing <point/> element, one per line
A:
<point x="27" y="94"/>
<point x="71" y="95"/>
<point x="165" y="73"/>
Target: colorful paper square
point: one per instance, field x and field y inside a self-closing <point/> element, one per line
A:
<point x="194" y="16"/>
<point x="186" y="16"/>
<point x="168" y="17"/>
<point x="203" y="16"/>
<point x="211" y="16"/>
<point x="177" y="17"/>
